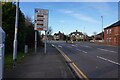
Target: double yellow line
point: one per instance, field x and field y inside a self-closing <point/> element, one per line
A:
<point x="79" y="73"/>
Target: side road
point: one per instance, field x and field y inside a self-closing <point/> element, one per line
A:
<point x="41" y="65"/>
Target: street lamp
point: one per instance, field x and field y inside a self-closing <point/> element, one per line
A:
<point x="102" y="26"/>
<point x="15" y="35"/>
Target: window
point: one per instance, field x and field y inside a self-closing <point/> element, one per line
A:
<point x="107" y="31"/>
<point x="110" y="31"/>
<point x="109" y="39"/>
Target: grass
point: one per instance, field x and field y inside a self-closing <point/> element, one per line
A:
<point x="8" y="59"/>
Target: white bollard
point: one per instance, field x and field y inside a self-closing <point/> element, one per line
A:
<point x="26" y="49"/>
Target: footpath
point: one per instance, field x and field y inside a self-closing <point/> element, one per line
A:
<point x="41" y="65"/>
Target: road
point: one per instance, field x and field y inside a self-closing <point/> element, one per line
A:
<point x="95" y="61"/>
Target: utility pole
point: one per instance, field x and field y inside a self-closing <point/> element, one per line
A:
<point x="35" y="41"/>
<point x="102" y="27"/>
<point x="15" y="35"/>
<point x="45" y="40"/>
<point x="84" y="33"/>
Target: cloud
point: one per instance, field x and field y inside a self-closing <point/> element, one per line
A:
<point x="102" y="8"/>
<point x="84" y="18"/>
<point x="66" y="11"/>
<point x="79" y="16"/>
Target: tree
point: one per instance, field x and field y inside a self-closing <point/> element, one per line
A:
<point x="49" y="31"/>
<point x="8" y="24"/>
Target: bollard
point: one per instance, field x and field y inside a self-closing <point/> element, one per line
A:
<point x="26" y="49"/>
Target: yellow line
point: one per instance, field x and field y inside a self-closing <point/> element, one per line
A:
<point x="83" y="75"/>
<point x="77" y="70"/>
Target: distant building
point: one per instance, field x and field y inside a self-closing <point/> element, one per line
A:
<point x="77" y="36"/>
<point x="112" y="34"/>
<point x="59" y="36"/>
<point x="99" y="38"/>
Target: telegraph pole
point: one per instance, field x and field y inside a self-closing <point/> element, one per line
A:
<point x="15" y="35"/>
<point x="35" y="41"/>
<point x="102" y="27"/>
<point x="45" y="40"/>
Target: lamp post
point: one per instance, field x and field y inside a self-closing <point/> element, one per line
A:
<point x="15" y="35"/>
<point x="102" y="27"/>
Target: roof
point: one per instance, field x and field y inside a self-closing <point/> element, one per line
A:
<point x="113" y="25"/>
<point x="59" y="33"/>
<point x="80" y="33"/>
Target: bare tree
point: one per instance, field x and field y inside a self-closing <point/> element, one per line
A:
<point x="49" y="31"/>
<point x="28" y="20"/>
<point x="94" y="33"/>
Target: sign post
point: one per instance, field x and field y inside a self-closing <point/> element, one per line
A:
<point x="41" y="23"/>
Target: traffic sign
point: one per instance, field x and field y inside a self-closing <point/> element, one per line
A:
<point x="41" y="19"/>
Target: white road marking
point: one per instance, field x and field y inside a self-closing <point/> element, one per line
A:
<point x="74" y="45"/>
<point x="69" y="46"/>
<point x="81" y="51"/>
<point x="53" y="45"/>
<point x="108" y="60"/>
<point x="84" y="51"/>
<point x="88" y="46"/>
<point x="59" y="46"/>
<point x="107" y="50"/>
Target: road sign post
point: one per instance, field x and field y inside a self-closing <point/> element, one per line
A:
<point x="41" y="23"/>
<point x="2" y="43"/>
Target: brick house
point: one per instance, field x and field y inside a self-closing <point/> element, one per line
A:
<point x="112" y="34"/>
<point x="76" y="36"/>
<point x="59" y="36"/>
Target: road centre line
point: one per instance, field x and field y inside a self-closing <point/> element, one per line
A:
<point x="53" y="45"/>
<point x="59" y="46"/>
<point x="87" y="46"/>
<point x="82" y="51"/>
<point x="108" y="60"/>
<point x="107" y="50"/>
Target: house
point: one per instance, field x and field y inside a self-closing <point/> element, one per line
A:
<point x="77" y="36"/>
<point x="59" y="36"/>
<point x="99" y="38"/>
<point x="112" y="34"/>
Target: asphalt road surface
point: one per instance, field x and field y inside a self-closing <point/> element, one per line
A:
<point x="95" y="61"/>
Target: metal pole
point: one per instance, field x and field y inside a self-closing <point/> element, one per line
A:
<point x="35" y="41"/>
<point x="102" y="27"/>
<point x="45" y="41"/>
<point x="84" y="33"/>
<point x="15" y="35"/>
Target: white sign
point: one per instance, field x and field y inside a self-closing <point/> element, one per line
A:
<point x="41" y="19"/>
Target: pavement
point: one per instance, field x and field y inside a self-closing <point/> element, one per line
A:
<point x="41" y="65"/>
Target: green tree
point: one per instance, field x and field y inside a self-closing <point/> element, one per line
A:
<point x="8" y="24"/>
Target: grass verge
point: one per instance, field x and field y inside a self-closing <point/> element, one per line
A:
<point x="8" y="59"/>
